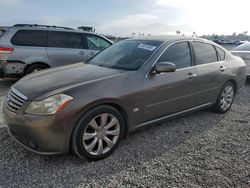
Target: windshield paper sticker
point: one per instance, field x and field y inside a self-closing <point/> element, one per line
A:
<point x="147" y="47"/>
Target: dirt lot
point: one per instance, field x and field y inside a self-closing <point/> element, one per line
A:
<point x="204" y="149"/>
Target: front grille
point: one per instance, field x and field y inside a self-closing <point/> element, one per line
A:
<point x="15" y="100"/>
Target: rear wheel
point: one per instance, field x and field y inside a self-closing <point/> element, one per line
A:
<point x="98" y="133"/>
<point x="35" y="68"/>
<point x="225" y="98"/>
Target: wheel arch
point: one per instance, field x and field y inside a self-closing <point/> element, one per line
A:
<point x="106" y="102"/>
<point x="113" y="103"/>
<point x="233" y="81"/>
<point x="35" y="63"/>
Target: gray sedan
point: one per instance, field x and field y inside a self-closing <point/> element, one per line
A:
<point x="243" y="51"/>
<point x="89" y="107"/>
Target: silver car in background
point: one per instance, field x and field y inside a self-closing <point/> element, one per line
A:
<point x="27" y="48"/>
<point x="243" y="51"/>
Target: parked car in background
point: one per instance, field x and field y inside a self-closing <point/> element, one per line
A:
<point x="3" y="29"/>
<point x="240" y="42"/>
<point x="89" y="107"/>
<point x="243" y="51"/>
<point x="27" y="48"/>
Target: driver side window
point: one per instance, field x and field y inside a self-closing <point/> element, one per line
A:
<point x="179" y="54"/>
<point x="96" y="43"/>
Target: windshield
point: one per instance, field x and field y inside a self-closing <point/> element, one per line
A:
<point x="126" y="55"/>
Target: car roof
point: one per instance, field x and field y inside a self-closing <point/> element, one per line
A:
<point x="242" y="47"/>
<point x="53" y="28"/>
<point x="47" y="28"/>
<point x="170" y="38"/>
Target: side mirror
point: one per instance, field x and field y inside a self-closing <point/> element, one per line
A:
<point x="164" y="67"/>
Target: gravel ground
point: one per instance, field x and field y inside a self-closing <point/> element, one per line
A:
<point x="203" y="149"/>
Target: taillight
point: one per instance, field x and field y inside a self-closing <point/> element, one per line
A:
<point x="5" y="53"/>
<point x="6" y="50"/>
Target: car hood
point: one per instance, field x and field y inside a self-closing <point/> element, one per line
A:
<point x="60" y="78"/>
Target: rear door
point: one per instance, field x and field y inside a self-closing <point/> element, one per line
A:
<point x="210" y="69"/>
<point x="168" y="93"/>
<point x="66" y="48"/>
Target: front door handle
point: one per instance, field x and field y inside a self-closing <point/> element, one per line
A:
<point x="92" y="53"/>
<point x="222" y="68"/>
<point x="191" y="75"/>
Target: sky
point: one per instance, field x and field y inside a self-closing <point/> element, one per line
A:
<point x="124" y="17"/>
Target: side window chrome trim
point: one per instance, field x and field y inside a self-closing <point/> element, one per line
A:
<point x="209" y="63"/>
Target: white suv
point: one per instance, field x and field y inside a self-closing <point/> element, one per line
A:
<point x="27" y="48"/>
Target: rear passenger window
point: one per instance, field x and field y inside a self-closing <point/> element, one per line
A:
<point x="179" y="54"/>
<point x="205" y="53"/>
<point x="30" y="38"/>
<point x="221" y="53"/>
<point x="65" y="40"/>
<point x="96" y="43"/>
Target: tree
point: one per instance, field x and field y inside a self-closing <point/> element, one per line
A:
<point x="178" y="32"/>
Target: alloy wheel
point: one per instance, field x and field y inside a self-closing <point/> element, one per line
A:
<point x="101" y="134"/>
<point x="227" y="97"/>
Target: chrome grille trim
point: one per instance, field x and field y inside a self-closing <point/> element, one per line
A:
<point x="19" y="94"/>
<point x="15" y="100"/>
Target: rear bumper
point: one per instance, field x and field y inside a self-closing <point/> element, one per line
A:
<point x="11" y="68"/>
<point x="2" y="72"/>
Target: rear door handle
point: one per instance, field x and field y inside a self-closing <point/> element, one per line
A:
<point x="191" y="75"/>
<point x="222" y="68"/>
<point x="81" y="53"/>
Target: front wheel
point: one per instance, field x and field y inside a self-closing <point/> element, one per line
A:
<point x="98" y="133"/>
<point x="225" y="98"/>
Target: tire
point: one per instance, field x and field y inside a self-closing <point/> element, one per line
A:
<point x="35" y="67"/>
<point x="225" y="98"/>
<point x="91" y="138"/>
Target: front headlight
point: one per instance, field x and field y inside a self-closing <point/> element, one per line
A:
<point x="50" y="105"/>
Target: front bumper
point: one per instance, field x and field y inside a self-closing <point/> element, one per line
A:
<point x="29" y="145"/>
<point x="39" y="134"/>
